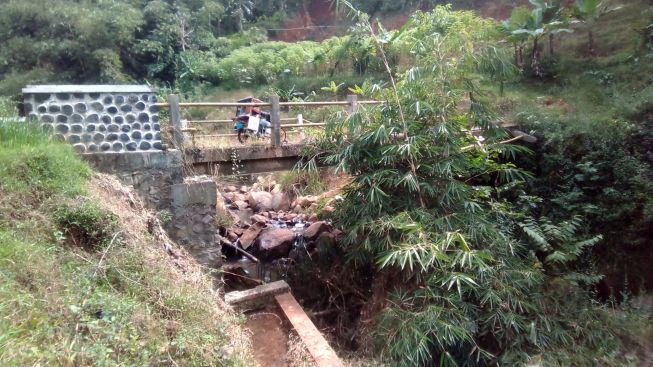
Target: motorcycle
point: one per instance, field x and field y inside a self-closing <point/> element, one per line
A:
<point x="251" y="126"/>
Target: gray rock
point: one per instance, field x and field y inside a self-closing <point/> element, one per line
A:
<point x="80" y="107"/>
<point x="97" y="106"/>
<point x="73" y="139"/>
<point x="143" y="117"/>
<point x="260" y="200"/>
<point x="92" y="118"/>
<point x="315" y="230"/>
<point x="275" y="243"/>
<point x="79" y="148"/>
<point x="250" y="234"/>
<point x="136" y="134"/>
<point x="280" y="202"/>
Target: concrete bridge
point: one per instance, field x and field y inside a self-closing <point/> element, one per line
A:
<point x="248" y="159"/>
<point x="101" y="119"/>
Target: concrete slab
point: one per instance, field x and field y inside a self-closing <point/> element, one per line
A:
<point x="244" y="153"/>
<point x="256" y="294"/>
<point x="317" y="346"/>
<point x="102" y="88"/>
<point x="199" y="192"/>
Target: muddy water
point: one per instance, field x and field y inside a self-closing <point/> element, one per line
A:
<point x="269" y="338"/>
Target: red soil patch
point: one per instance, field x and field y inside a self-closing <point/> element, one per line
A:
<point x="305" y="25"/>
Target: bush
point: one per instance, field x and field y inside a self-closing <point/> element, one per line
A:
<point x="85" y="225"/>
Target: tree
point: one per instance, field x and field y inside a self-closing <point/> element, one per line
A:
<point x="239" y="10"/>
<point x="588" y="12"/>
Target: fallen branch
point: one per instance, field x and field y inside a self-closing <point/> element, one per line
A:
<point x="247" y="254"/>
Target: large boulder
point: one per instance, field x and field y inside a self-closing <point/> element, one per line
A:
<point x="238" y="197"/>
<point x="280" y="202"/>
<point x="275" y="243"/>
<point x="315" y="230"/>
<point x="305" y="201"/>
<point x="228" y="196"/>
<point x="250" y="234"/>
<point x="260" y="200"/>
<point x="259" y="218"/>
<point x="241" y="205"/>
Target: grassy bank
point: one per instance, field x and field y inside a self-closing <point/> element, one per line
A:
<point x="85" y="282"/>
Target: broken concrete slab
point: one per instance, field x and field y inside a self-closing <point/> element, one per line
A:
<point x="262" y="293"/>
<point x="317" y="346"/>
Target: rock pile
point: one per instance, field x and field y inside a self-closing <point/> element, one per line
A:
<point x="267" y="224"/>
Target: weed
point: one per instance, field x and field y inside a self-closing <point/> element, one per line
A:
<point x="236" y="165"/>
<point x="85" y="225"/>
<point x="300" y="182"/>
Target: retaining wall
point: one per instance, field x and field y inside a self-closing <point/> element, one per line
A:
<point x="97" y="118"/>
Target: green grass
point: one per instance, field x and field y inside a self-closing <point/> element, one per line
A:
<point x="116" y="299"/>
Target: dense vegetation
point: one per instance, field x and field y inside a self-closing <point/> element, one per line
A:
<point x="477" y="261"/>
<point x="457" y="251"/>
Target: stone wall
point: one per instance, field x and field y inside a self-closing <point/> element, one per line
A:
<point x="158" y="179"/>
<point x="97" y="118"/>
<point x="152" y="174"/>
<point x="193" y="219"/>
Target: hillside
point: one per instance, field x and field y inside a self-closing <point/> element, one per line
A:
<point x="89" y="278"/>
<point x="460" y="242"/>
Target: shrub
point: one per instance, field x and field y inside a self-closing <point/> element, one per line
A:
<point x="85" y="225"/>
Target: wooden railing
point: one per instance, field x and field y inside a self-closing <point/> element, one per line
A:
<point x="180" y="126"/>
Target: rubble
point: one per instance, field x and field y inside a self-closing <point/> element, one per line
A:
<point x="273" y="227"/>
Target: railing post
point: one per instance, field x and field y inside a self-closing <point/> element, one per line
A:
<point x="275" y="116"/>
<point x="353" y="103"/>
<point x="178" y="125"/>
<point x="300" y="121"/>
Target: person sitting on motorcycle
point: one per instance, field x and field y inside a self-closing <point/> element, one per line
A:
<point x="263" y="124"/>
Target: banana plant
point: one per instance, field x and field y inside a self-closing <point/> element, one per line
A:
<point x="554" y="19"/>
<point x="333" y="88"/>
<point x="534" y="28"/>
<point x="588" y="12"/>
<point x="518" y="19"/>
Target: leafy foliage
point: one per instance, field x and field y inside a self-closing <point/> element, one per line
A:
<point x="426" y="208"/>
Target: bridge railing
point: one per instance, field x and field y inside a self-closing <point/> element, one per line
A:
<point x="181" y="127"/>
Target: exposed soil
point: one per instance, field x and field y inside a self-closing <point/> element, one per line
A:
<point x="318" y="20"/>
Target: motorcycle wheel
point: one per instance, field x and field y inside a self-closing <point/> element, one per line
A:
<point x="243" y="136"/>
